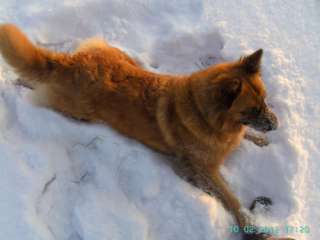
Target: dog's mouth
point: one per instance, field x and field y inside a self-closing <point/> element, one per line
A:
<point x="264" y="122"/>
<point x="263" y="128"/>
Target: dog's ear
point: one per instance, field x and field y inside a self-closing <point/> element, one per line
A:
<point x="228" y="92"/>
<point x="252" y="62"/>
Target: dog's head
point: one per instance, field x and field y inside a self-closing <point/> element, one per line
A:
<point x="240" y="94"/>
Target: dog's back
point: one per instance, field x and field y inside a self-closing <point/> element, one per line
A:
<point x="97" y="83"/>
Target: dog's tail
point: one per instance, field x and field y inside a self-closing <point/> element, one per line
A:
<point x="29" y="61"/>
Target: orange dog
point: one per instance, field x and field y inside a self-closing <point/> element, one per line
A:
<point x="199" y="118"/>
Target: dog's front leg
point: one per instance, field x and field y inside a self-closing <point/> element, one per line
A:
<point x="218" y="186"/>
<point x="214" y="184"/>
<point x="231" y="203"/>
<point x="199" y="176"/>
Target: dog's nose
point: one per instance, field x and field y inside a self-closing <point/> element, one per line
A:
<point x="270" y="127"/>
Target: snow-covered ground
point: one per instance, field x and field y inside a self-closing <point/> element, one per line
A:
<point x="65" y="180"/>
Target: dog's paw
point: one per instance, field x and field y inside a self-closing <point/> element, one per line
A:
<point x="23" y="83"/>
<point x="261" y="203"/>
<point x="256" y="236"/>
<point x="259" y="140"/>
<point x="263" y="236"/>
<point x="280" y="238"/>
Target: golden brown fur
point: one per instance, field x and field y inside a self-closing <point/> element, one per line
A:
<point x="200" y="118"/>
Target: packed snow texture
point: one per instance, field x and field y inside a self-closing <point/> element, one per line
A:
<point x="66" y="180"/>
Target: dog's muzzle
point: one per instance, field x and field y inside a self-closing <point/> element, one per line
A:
<point x="267" y="121"/>
<point x="264" y="122"/>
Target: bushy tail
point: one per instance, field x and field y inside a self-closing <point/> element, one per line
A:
<point x="28" y="60"/>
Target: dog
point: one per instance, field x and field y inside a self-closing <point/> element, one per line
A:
<point x="198" y="118"/>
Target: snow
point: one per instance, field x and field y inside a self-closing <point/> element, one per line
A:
<point x="66" y="180"/>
